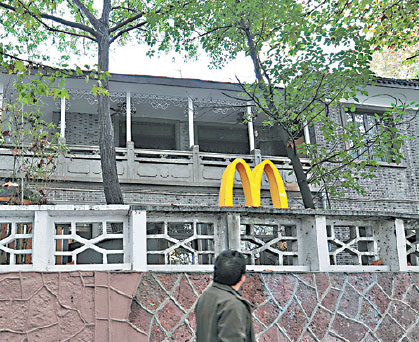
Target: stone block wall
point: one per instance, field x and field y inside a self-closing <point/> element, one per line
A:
<point x="129" y="306"/>
<point x="290" y="307"/>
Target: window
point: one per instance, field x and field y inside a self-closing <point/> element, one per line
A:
<point x="160" y="134"/>
<point x="368" y="124"/>
<point x="223" y="138"/>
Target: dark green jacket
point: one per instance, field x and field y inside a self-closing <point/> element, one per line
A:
<point x="223" y="315"/>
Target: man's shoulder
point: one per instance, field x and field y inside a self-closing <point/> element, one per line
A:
<point x="218" y="290"/>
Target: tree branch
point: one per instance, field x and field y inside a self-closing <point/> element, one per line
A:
<point x="125" y="22"/>
<point x="59" y="20"/>
<point x="93" y="20"/>
<point x="128" y="29"/>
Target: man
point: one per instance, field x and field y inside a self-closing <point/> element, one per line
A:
<point x="222" y="314"/>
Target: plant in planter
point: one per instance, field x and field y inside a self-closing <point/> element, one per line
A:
<point x="35" y="143"/>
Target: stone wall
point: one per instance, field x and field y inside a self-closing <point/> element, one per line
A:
<point x="67" y="306"/>
<point x="290" y="307"/>
<point x="128" y="306"/>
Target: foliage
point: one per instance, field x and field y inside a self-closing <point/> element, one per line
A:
<point x="395" y="63"/>
<point x="396" y="38"/>
<point x="76" y="27"/>
<point x="36" y="144"/>
<point x="394" y="23"/>
<point x="308" y="57"/>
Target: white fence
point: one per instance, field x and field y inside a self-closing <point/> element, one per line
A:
<point x="66" y="238"/>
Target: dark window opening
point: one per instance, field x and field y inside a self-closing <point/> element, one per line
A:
<point x="227" y="138"/>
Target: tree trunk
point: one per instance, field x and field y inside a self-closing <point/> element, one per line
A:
<point x="111" y="186"/>
<point x="300" y="175"/>
<point x="305" y="191"/>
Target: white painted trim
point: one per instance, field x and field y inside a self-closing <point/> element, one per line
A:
<point x="269" y="268"/>
<point x="181" y="268"/>
<point x="89" y="267"/>
<point x="321" y="243"/>
<point x="357" y="268"/>
<point x="250" y="129"/>
<point x="16" y="268"/>
<point x="1" y="100"/>
<point x="128" y="114"/>
<point x="191" y="123"/>
<point x="413" y="268"/>
<point x="306" y="134"/>
<point x="62" y="118"/>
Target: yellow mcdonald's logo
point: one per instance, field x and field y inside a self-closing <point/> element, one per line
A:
<point x="252" y="181"/>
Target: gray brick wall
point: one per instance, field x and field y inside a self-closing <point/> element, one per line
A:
<point x="395" y="187"/>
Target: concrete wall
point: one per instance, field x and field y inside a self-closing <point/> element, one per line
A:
<point x="128" y="306"/>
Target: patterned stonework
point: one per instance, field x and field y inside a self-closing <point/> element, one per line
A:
<point x="304" y="307"/>
<point x="134" y="307"/>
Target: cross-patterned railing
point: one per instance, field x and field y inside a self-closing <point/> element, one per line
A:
<point x="177" y="241"/>
<point x="352" y="243"/>
<point x="16" y="237"/>
<point x="65" y="238"/>
<point x="272" y="242"/>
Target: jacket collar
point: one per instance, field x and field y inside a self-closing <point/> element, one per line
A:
<point x="234" y="292"/>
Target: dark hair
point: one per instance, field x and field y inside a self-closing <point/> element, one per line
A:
<point x="229" y="267"/>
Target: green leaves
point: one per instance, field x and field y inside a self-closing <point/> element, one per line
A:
<point x="308" y="58"/>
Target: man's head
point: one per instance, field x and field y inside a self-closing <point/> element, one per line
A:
<point x="229" y="267"/>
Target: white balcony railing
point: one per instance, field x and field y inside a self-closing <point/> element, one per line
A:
<point x="67" y="238"/>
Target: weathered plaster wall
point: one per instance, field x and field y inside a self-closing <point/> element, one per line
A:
<point x="67" y="306"/>
<point x="128" y="306"/>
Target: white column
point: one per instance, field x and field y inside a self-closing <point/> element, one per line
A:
<point x="62" y="126"/>
<point x="313" y="246"/>
<point x="401" y="245"/>
<point x="129" y="138"/>
<point x="138" y="234"/>
<point x="250" y="128"/>
<point x="190" y="120"/>
<point x="43" y="241"/>
<point x="306" y="134"/>
<point x="1" y="101"/>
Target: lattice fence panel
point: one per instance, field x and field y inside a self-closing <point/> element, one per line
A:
<point x="16" y="243"/>
<point x="412" y="243"/>
<point x="80" y="241"/>
<point x="178" y="241"/>
<point x="352" y="243"/>
<point x="272" y="242"/>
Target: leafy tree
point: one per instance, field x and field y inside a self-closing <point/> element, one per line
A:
<point x="396" y="38"/>
<point x="395" y="63"/>
<point x="308" y="56"/>
<point x="394" y="24"/>
<point x="32" y="28"/>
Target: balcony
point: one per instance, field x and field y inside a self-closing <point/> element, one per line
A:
<point x="144" y="166"/>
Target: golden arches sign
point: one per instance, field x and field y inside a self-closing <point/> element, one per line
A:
<point x="252" y="181"/>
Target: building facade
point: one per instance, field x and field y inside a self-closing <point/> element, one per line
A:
<point x="134" y="272"/>
<point x="174" y="137"/>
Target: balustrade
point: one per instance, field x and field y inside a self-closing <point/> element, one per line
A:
<point x="67" y="237"/>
